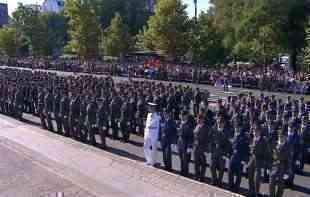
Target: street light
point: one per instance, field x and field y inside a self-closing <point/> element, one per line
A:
<point x="195" y="2"/>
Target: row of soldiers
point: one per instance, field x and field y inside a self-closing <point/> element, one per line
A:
<point x="246" y="130"/>
<point x="268" y="137"/>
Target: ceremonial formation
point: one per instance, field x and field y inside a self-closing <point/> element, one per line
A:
<point x="272" y="78"/>
<point x="264" y="139"/>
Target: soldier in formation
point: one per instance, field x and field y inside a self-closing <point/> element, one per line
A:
<point x="259" y="134"/>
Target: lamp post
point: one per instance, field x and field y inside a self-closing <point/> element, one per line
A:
<point x="196" y="72"/>
<point x="195" y="2"/>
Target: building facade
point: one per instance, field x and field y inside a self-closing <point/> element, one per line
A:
<point x="4" y="14"/>
<point x="53" y="6"/>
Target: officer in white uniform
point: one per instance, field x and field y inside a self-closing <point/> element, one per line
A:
<point x="151" y="134"/>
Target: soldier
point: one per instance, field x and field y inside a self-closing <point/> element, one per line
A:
<point x="259" y="154"/>
<point x="219" y="148"/>
<point x="240" y="155"/>
<point x="82" y="119"/>
<point x="56" y="110"/>
<point x="201" y="143"/>
<point x="102" y="123"/>
<point x="124" y="120"/>
<point x="305" y="137"/>
<point x="41" y="99"/>
<point x="185" y="141"/>
<point x="151" y="134"/>
<point x="74" y="116"/>
<point x="115" y="114"/>
<point x="168" y="135"/>
<point x="64" y="112"/>
<point x="18" y="104"/>
<point x="294" y="141"/>
<point x="280" y="165"/>
<point x="140" y="114"/>
<point x="48" y="110"/>
<point x="92" y="110"/>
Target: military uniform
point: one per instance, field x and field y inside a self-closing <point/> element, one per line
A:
<point x="115" y="115"/>
<point x="102" y="123"/>
<point x="241" y="152"/>
<point x="124" y="121"/>
<point x="219" y="148"/>
<point x="64" y="112"/>
<point x="74" y="116"/>
<point x="201" y="142"/>
<point x="259" y="155"/>
<point x="185" y="142"/>
<point x="168" y="135"/>
<point x="280" y="165"/>
<point x="57" y="115"/>
<point x="92" y="110"/>
<point x="41" y="114"/>
<point x="48" y="110"/>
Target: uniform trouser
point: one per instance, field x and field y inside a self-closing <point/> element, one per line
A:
<point x="150" y="150"/>
<point x="18" y="111"/>
<point x="103" y="134"/>
<point x="58" y="123"/>
<point x="83" y="131"/>
<point x="74" y="127"/>
<point x="167" y="156"/>
<point x="196" y="108"/>
<point x="184" y="159"/>
<point x="65" y="123"/>
<point x="139" y="124"/>
<point x="217" y="169"/>
<point x="235" y="175"/>
<point x="42" y="118"/>
<point x="114" y="126"/>
<point x="49" y="121"/>
<point x="200" y="164"/>
<point x="125" y="130"/>
<point x="91" y="131"/>
<point x="277" y="183"/>
<point x="254" y="174"/>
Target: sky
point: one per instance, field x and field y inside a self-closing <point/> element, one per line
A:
<point x="202" y="4"/>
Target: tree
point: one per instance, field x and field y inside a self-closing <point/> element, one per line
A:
<point x="207" y="43"/>
<point x="84" y="28"/>
<point x="8" y="41"/>
<point x="116" y="38"/>
<point x="56" y="30"/>
<point x="258" y="30"/>
<point x="31" y="30"/>
<point x="168" y="30"/>
<point x="133" y="12"/>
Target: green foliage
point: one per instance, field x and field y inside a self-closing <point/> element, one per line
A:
<point x="133" y="12"/>
<point x="116" y="38"/>
<point x="41" y="33"/>
<point x="168" y="30"/>
<point x="207" y="43"/>
<point x="259" y="30"/>
<point x="8" y="41"/>
<point x="84" y="28"/>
